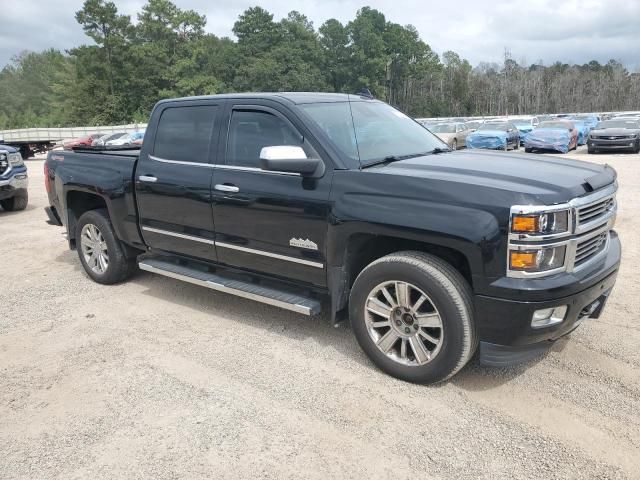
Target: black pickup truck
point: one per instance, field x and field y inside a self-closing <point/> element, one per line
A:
<point x="292" y="199"/>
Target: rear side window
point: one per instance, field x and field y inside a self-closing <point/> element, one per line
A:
<point x="251" y="130"/>
<point x="184" y="133"/>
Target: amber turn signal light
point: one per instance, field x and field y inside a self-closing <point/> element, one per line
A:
<point x="526" y="224"/>
<point x="523" y="260"/>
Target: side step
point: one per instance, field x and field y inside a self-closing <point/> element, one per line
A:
<point x="271" y="296"/>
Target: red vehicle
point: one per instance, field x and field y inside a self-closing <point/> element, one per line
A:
<point x="81" y="141"/>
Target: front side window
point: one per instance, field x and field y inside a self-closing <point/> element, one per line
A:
<point x="371" y="131"/>
<point x="184" y="133"/>
<point x="251" y="130"/>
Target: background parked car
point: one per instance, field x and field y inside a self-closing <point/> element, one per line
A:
<point x="558" y="135"/>
<point x="583" y="131"/>
<point x="453" y="134"/>
<point x="473" y="125"/>
<point x="615" y="134"/>
<point x="524" y="125"/>
<point x="101" y="141"/>
<point x="589" y="119"/>
<point x="125" y="140"/>
<point x="85" y="141"/>
<point x="495" y="135"/>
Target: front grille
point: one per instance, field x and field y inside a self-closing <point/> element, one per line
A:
<point x="4" y="163"/>
<point x="593" y="212"/>
<point x="612" y="137"/>
<point x="590" y="247"/>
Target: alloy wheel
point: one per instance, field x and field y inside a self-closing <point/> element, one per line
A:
<point x="94" y="248"/>
<point x="404" y="323"/>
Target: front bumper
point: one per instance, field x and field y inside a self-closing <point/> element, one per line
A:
<point x="620" y="144"/>
<point x="13" y="182"/>
<point x="504" y="325"/>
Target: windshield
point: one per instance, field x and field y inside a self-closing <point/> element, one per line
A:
<point x="566" y="125"/>
<point x="444" y="128"/>
<point x="618" y="124"/>
<point x="495" y="126"/>
<point x="371" y="131"/>
<point x="521" y="123"/>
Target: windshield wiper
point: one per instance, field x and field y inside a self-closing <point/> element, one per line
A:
<point x="438" y="150"/>
<point x="395" y="158"/>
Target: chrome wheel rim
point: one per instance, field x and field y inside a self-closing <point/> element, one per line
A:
<point x="94" y="249"/>
<point x="404" y="323"/>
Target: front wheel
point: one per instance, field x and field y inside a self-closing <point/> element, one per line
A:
<point x="528" y="150"/>
<point x="100" y="252"/>
<point x="591" y="150"/>
<point x="16" y="203"/>
<point x="454" y="145"/>
<point x="412" y="314"/>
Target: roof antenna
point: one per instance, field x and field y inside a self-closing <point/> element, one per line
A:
<point x="365" y="92"/>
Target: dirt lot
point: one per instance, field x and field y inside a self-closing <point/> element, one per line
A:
<point x="159" y="379"/>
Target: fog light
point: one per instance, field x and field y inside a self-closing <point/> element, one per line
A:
<point x="547" y="317"/>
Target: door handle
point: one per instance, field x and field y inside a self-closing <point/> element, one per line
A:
<point x="147" y="178"/>
<point x="227" y="188"/>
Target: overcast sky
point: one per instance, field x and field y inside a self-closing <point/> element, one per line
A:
<point x="572" y="31"/>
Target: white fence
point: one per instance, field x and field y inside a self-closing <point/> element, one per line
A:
<point x="57" y="134"/>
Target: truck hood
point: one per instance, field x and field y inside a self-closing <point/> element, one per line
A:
<point x="8" y="148"/>
<point x="614" y="131"/>
<point x="531" y="178"/>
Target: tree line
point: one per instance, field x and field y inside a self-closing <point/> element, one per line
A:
<point x="167" y="53"/>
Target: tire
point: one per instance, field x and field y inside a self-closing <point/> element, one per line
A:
<point x="528" y="150"/>
<point x="448" y="297"/>
<point x="16" y="203"/>
<point x="454" y="145"/>
<point x="637" y="147"/>
<point x="591" y="150"/>
<point x="517" y="145"/>
<point x="118" y="267"/>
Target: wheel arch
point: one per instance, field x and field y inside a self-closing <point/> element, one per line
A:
<point x="363" y="248"/>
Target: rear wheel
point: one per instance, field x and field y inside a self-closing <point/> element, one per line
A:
<point x="100" y="252"/>
<point x="15" y="203"/>
<point x="412" y="314"/>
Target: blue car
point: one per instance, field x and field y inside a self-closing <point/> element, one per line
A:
<point x="524" y="125"/>
<point x="558" y="135"/>
<point x="495" y="136"/>
<point x="590" y="120"/>
<point x="583" y="131"/>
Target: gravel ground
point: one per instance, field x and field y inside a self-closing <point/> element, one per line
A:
<point x="159" y="379"/>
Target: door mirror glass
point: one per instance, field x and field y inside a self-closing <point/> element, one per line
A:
<point x="288" y="158"/>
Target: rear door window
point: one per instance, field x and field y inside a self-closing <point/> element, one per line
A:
<point x="184" y="133"/>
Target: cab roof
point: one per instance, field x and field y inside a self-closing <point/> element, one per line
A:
<point x="292" y="97"/>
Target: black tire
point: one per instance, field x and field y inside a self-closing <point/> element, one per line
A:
<point x="517" y="145"/>
<point x="637" y="147"/>
<point x="16" y="203"/>
<point x="528" y="150"/>
<point x="119" y="267"/>
<point x="448" y="292"/>
<point x="591" y="150"/>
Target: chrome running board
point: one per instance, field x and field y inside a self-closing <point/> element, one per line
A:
<point x="259" y="293"/>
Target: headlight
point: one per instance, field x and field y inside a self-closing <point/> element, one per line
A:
<point x="15" y="159"/>
<point x="537" y="260"/>
<point x="541" y="224"/>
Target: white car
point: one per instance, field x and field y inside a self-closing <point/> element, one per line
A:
<point x="127" y="139"/>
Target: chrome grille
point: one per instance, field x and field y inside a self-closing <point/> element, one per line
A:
<point x="593" y="212"/>
<point x="590" y="247"/>
<point x="4" y="162"/>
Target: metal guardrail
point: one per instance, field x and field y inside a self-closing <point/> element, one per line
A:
<point x="58" y="134"/>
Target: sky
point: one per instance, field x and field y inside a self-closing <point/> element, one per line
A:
<point x="571" y="31"/>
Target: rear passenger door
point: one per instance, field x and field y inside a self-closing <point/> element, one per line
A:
<point x="173" y="179"/>
<point x="269" y="222"/>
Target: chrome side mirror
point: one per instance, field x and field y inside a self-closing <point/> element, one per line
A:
<point x="288" y="158"/>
